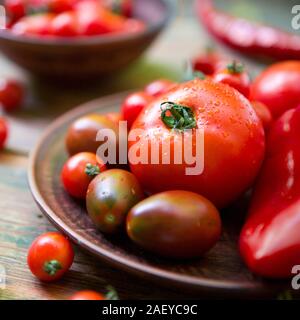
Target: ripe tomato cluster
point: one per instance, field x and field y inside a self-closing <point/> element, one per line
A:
<point x="71" y="18"/>
<point x="166" y="211"/>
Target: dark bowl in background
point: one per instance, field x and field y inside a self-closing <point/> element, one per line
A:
<point x="86" y="56"/>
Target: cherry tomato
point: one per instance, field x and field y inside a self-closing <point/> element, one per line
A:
<point x="208" y="63"/>
<point x="81" y="136"/>
<point x="263" y="113"/>
<point x="50" y="256"/>
<point x="94" y="19"/>
<point x="176" y="224"/>
<point x="64" y="25"/>
<point x="158" y="87"/>
<point x="11" y="94"/>
<point x="87" y="295"/>
<point x="59" y="6"/>
<point x="37" y="25"/>
<point x="133" y="105"/>
<point x="235" y="76"/>
<point x="15" y="9"/>
<point x="109" y="198"/>
<point x="278" y="87"/>
<point x="3" y="132"/>
<point x="233" y="142"/>
<point x="79" y="171"/>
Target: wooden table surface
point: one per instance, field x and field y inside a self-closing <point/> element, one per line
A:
<point x="21" y="220"/>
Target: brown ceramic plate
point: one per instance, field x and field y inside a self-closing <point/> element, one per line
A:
<point x="220" y="273"/>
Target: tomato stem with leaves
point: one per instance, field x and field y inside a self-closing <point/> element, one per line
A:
<point x="181" y="118"/>
<point x="111" y="294"/>
<point x="92" y="170"/>
<point x="51" y="267"/>
<point x="235" y="67"/>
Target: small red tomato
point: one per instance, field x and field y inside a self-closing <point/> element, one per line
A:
<point x="15" y="9"/>
<point x="263" y="113"/>
<point x="64" y="25"/>
<point x="79" y="171"/>
<point x="50" y="256"/>
<point x="235" y="76"/>
<point x="208" y="63"/>
<point x="87" y="295"/>
<point x="59" y="6"/>
<point x="278" y="87"/>
<point x="37" y="25"/>
<point x="3" y="132"/>
<point x="158" y="87"/>
<point x="94" y="19"/>
<point x="133" y="105"/>
<point x="11" y="94"/>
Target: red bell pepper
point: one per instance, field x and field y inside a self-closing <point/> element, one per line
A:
<point x="246" y="36"/>
<point x="270" y="239"/>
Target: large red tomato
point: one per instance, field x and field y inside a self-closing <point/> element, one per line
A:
<point x="233" y="141"/>
<point x="278" y="87"/>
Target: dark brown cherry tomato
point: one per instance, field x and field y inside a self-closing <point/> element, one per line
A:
<point x="235" y="76"/>
<point x="3" y="132"/>
<point x="263" y="113"/>
<point x="81" y="136"/>
<point x="79" y="171"/>
<point x="50" y="256"/>
<point x="175" y="224"/>
<point x="87" y="295"/>
<point x="11" y="94"/>
<point x="33" y="25"/>
<point x="133" y="105"/>
<point x="64" y="25"/>
<point x="109" y="198"/>
<point x="158" y="87"/>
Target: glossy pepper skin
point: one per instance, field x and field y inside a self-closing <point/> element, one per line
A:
<point x="246" y="36"/>
<point x="270" y="239"/>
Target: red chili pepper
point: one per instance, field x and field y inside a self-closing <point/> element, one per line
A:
<point x="247" y="36"/>
<point x="270" y="239"/>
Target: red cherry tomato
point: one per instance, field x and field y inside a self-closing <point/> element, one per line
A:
<point x="37" y="24"/>
<point x="87" y="295"/>
<point x="158" y="87"/>
<point x="263" y="113"/>
<point x="94" y="19"/>
<point x="208" y="63"/>
<point x="11" y="94"/>
<point x="59" y="6"/>
<point x="64" y="25"/>
<point x="235" y="76"/>
<point x="50" y="256"/>
<point x="133" y="105"/>
<point x="79" y="171"/>
<point x="15" y="9"/>
<point x="278" y="87"/>
<point x="3" y="132"/>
